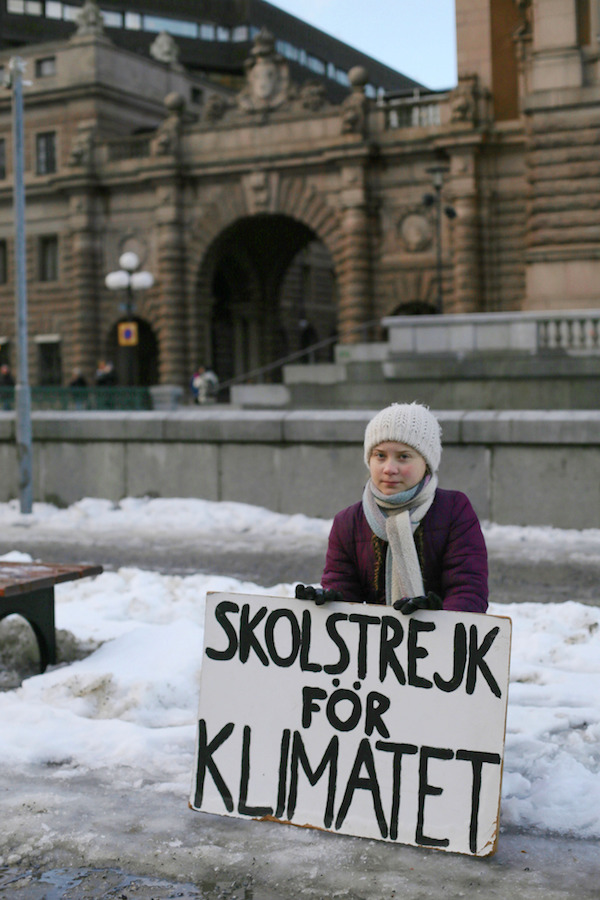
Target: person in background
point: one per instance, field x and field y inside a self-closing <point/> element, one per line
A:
<point x="408" y="543"/>
<point x="105" y="374"/>
<point x="77" y="381"/>
<point x="204" y="384"/>
<point x="6" y="378"/>
<point x="7" y="381"/>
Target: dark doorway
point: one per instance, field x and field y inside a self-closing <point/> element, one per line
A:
<point x="272" y="293"/>
<point x="135" y="364"/>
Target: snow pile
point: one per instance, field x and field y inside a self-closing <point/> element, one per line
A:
<point x="132" y="702"/>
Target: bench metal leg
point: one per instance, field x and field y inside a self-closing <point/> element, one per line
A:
<point x="37" y="607"/>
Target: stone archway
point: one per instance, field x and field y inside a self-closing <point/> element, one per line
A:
<point x="268" y="289"/>
<point x="307" y="220"/>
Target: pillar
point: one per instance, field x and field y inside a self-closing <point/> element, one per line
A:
<point x="355" y="279"/>
<point x="171" y="283"/>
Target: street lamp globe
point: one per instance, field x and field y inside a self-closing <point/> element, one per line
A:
<point x="141" y="281"/>
<point x="129" y="261"/>
<point x="117" y="281"/>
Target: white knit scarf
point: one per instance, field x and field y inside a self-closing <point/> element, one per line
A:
<point x="395" y="519"/>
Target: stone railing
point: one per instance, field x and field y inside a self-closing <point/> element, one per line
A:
<point x="577" y="332"/>
<point x="572" y="331"/>
<point x="136" y="147"/>
<point x="415" y="111"/>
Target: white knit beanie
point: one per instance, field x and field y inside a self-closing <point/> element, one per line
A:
<point x="407" y="423"/>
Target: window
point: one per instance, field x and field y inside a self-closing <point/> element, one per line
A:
<point x="172" y="26"/>
<point x="2" y="158"/>
<point x="133" y="21"/>
<point x="223" y="34"/>
<point x="49" y="359"/>
<point x="45" y="67"/>
<point x="3" y="262"/>
<point x="240" y="33"/>
<point x="48" y="258"/>
<point x="286" y="49"/>
<point x="20" y="7"/>
<point x="207" y="32"/>
<point x="315" y="64"/>
<point x="53" y="9"/>
<point x="70" y="13"/>
<point x="45" y="153"/>
<point x="112" y="19"/>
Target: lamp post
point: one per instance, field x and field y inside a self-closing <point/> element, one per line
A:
<point x="22" y="389"/>
<point x="129" y="278"/>
<point x="437" y="173"/>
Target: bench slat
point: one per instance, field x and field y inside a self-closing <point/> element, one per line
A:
<point x="21" y="578"/>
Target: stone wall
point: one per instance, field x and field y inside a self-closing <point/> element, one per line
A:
<point x="519" y="468"/>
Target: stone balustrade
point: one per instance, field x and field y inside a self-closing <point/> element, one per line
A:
<point x="573" y="331"/>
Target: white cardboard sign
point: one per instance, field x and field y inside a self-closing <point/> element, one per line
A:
<point x="354" y="719"/>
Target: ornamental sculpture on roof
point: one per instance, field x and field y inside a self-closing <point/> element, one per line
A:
<point x="89" y="19"/>
<point x="267" y="77"/>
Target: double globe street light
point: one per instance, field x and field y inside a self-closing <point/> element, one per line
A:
<point x="129" y="278"/>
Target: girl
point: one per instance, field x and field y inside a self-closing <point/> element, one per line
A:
<point x="407" y="543"/>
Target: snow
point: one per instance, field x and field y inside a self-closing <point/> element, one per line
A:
<point x="133" y="700"/>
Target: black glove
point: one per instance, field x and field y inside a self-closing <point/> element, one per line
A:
<point x="319" y="595"/>
<point x="408" y="605"/>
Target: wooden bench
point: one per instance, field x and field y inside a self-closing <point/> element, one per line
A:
<point x="27" y="590"/>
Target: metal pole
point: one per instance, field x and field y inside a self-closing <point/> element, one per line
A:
<point x="438" y="243"/>
<point x="22" y="390"/>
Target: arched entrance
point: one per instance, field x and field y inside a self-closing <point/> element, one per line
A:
<point x="270" y="291"/>
<point x="135" y="363"/>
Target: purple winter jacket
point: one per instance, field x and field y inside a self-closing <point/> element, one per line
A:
<point x="451" y="549"/>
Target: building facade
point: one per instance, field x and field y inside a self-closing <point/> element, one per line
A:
<point x="273" y="215"/>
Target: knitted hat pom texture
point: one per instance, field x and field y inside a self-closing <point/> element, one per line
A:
<point x="407" y="423"/>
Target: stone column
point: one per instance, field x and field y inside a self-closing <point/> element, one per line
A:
<point x="355" y="277"/>
<point x="170" y="277"/>
<point x="83" y="277"/>
<point x="466" y="272"/>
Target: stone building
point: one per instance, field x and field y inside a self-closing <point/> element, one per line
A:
<point x="272" y="215"/>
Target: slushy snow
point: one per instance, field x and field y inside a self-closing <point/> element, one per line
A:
<point x="133" y="700"/>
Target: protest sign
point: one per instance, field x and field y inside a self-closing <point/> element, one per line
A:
<point x="354" y="719"/>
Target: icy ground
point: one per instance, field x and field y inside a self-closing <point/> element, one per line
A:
<point x="96" y="755"/>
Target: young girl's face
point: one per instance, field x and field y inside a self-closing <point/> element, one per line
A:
<point x="396" y="467"/>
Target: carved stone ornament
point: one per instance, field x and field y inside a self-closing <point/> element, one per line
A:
<point x="257" y="186"/>
<point x="355" y="106"/>
<point x="215" y="108"/>
<point x="82" y="148"/>
<point x="267" y="77"/>
<point x="168" y="136"/>
<point x="89" y="20"/>
<point x="525" y="27"/>
<point x="164" y="48"/>
<point x="463" y="100"/>
<point x="312" y="96"/>
<point x="415" y="232"/>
